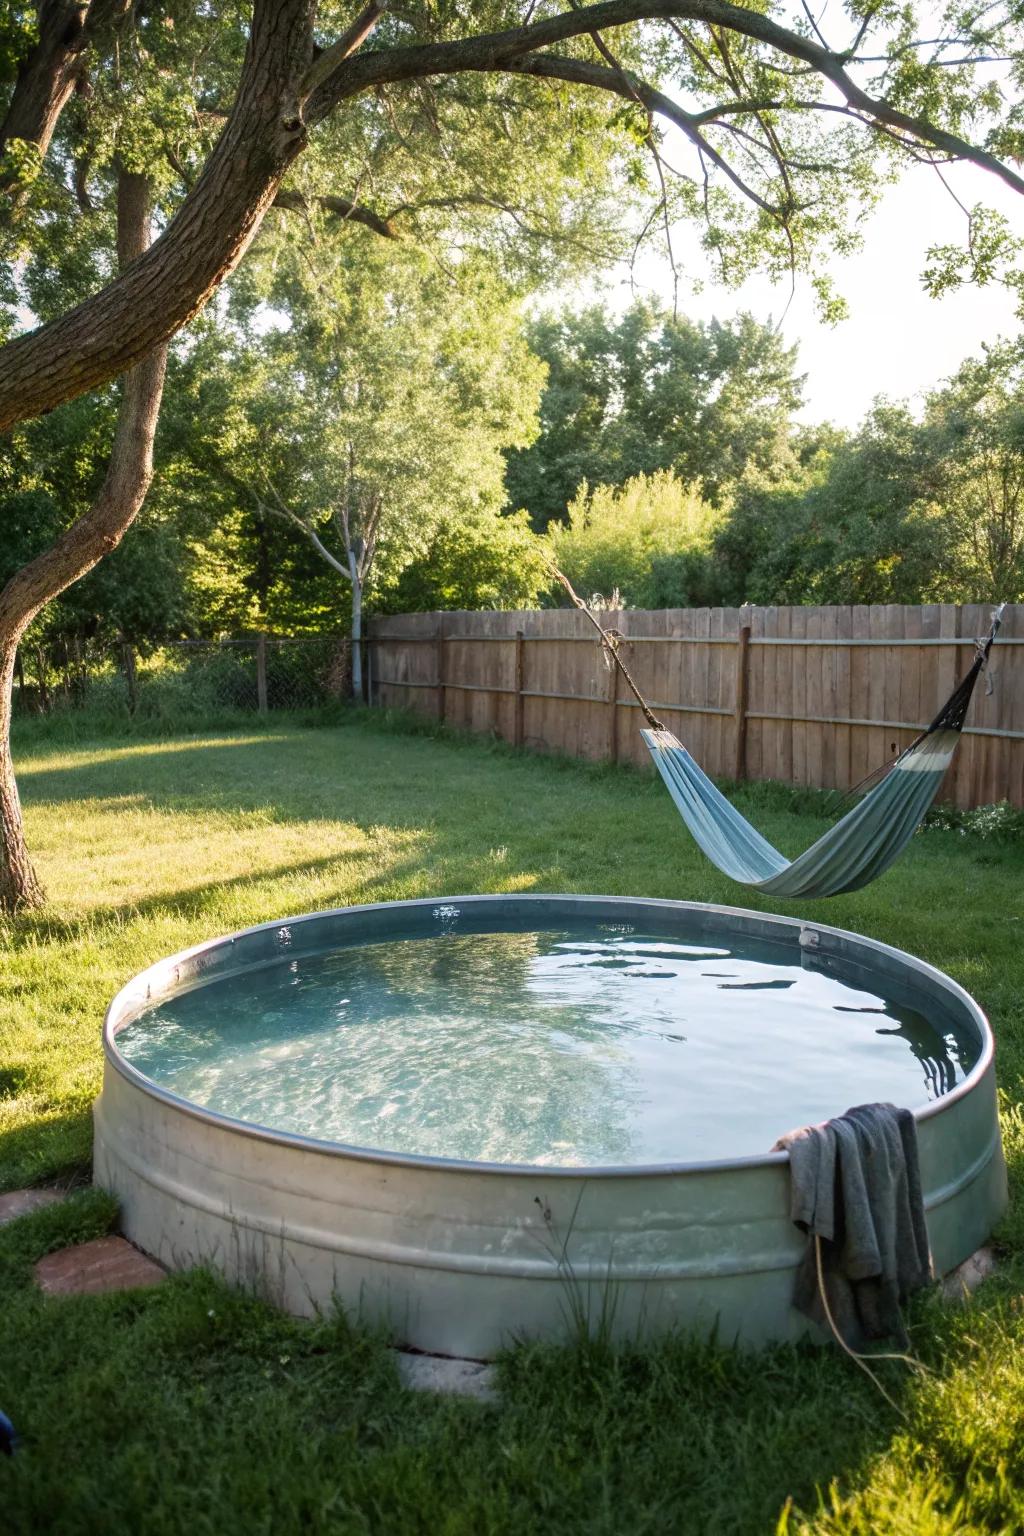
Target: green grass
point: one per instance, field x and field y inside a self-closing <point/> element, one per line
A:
<point x="190" y="1409"/>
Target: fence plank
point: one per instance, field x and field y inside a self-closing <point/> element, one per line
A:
<point x="613" y="714"/>
<point x="828" y="694"/>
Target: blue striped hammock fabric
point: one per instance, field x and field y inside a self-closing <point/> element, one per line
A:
<point x="860" y="846"/>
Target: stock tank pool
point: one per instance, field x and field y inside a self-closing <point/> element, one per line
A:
<point x="488" y="1117"/>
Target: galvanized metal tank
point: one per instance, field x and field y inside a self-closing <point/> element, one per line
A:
<point x="460" y="1258"/>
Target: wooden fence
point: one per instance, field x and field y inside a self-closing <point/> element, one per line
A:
<point x="817" y="696"/>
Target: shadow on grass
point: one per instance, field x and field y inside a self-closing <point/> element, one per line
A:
<point x="254" y="773"/>
<point x="387" y="788"/>
<point x="54" y="1148"/>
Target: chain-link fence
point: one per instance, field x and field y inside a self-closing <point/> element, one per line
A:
<point x="186" y="680"/>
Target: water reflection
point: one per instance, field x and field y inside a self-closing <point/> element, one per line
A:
<point x="939" y="1071"/>
<point x="755" y="986"/>
<point x="942" y="1059"/>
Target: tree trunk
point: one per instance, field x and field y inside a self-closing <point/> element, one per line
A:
<point x="81" y="547"/>
<point x="18" y="884"/>
<point x="45" y="80"/>
<point x="42" y="673"/>
<point x="357" y="629"/>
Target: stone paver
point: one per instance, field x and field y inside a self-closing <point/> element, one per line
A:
<point x="21" y="1201"/>
<point x="106" y="1264"/>
<point x="458" y="1378"/>
<point x="960" y="1282"/>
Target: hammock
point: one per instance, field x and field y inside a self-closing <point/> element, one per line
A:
<point x="860" y="846"/>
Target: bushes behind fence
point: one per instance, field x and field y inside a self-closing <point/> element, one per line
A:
<point x="185" y="683"/>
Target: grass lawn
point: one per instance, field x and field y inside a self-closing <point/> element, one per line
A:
<point x="192" y="1409"/>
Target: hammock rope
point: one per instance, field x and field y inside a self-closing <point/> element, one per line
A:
<point x="611" y="639"/>
<point x="853" y="852"/>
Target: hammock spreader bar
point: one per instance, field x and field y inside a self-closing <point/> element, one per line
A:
<point x="860" y="846"/>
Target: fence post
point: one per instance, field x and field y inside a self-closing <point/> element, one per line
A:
<point x="742" y="674"/>
<point x="261" y="673"/>
<point x="440" y="666"/>
<point x="517" y="726"/>
<point x="81" y="677"/>
<point x="44" y="692"/>
<point x="128" y="662"/>
<point x="613" y="706"/>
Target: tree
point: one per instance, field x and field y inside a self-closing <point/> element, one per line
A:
<point x="905" y="510"/>
<point x="784" y="129"/>
<point x="652" y="391"/>
<point x="485" y="558"/>
<point x="847" y="526"/>
<point x="759" y="124"/>
<point x="974" y="435"/>
<point x="375" y="412"/>
<point x="649" y="541"/>
<point x="145" y="113"/>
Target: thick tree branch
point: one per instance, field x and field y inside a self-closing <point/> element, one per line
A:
<point x="131" y="458"/>
<point x="353" y="38"/>
<point x="356" y="213"/>
<point x="499" y="51"/>
<point x="164" y="288"/>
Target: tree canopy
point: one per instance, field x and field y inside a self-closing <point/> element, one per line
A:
<point x="363" y="403"/>
<point x="647" y="544"/>
<point x="974" y="434"/>
<point x="905" y="510"/>
<point x="652" y="391"/>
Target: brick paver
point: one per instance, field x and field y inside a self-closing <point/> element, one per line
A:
<point x="106" y="1264"/>
<point x="21" y="1201"/>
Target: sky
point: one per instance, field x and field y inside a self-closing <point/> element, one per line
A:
<point x="896" y="341"/>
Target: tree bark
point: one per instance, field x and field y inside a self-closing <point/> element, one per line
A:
<point x="77" y="550"/>
<point x="19" y="886"/>
<point x="45" y="80"/>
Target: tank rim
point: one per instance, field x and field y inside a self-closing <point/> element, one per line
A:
<point x="127" y="998"/>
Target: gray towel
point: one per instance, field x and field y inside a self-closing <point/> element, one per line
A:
<point x="855" y="1182"/>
